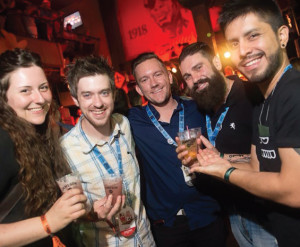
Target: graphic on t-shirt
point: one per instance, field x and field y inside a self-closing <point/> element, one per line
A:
<point x="268" y="154"/>
<point x="264" y="140"/>
<point x="232" y="126"/>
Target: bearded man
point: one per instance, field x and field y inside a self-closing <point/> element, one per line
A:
<point x="228" y="104"/>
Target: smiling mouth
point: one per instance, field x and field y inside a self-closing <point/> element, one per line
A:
<point x="98" y="111"/>
<point x="200" y="86"/>
<point x="36" y="109"/>
<point x="252" y="62"/>
<point x="157" y="91"/>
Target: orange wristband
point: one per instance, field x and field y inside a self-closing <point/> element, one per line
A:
<point x="45" y="224"/>
<point x="55" y="240"/>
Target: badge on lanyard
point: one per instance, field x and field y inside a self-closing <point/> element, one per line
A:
<point x="188" y="176"/>
<point x="263" y="130"/>
<point x="126" y="221"/>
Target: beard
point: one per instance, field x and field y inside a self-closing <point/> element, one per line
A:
<point x="267" y="75"/>
<point x="213" y="95"/>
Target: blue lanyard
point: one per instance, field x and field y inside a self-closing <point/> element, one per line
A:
<point x="212" y="135"/>
<point x="107" y="167"/>
<point x="120" y="166"/>
<point x="286" y="69"/>
<point x="161" y="129"/>
<point x="105" y="163"/>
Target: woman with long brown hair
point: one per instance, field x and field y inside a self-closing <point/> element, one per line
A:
<point x="30" y="156"/>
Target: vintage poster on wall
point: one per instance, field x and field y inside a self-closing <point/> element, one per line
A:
<point x="160" y="26"/>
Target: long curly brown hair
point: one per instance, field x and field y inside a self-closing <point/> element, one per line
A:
<point x="37" y="148"/>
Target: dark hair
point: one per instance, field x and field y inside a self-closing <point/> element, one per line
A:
<point x="268" y="10"/>
<point x="142" y="58"/>
<point x="37" y="148"/>
<point x="13" y="60"/>
<point x="89" y="66"/>
<point x="193" y="48"/>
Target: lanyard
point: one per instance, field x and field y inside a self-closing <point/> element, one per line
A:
<point x="120" y="166"/>
<point x="161" y="129"/>
<point x="105" y="163"/>
<point x="212" y="134"/>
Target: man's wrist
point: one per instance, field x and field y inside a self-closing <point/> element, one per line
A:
<point x="228" y="173"/>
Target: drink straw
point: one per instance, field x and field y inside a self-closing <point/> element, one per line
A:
<point x="189" y="135"/>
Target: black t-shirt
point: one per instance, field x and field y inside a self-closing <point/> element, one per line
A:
<point x="236" y="132"/>
<point x="280" y="118"/>
<point x="234" y="137"/>
<point x="9" y="169"/>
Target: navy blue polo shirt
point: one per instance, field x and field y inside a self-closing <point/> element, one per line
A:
<point x="164" y="191"/>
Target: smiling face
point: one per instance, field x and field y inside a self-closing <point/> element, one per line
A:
<point x="206" y="84"/>
<point x="153" y="82"/>
<point x="95" y="99"/>
<point x="255" y="48"/>
<point x="29" y="94"/>
<point x="196" y="71"/>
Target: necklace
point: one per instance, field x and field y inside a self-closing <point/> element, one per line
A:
<point x="262" y="109"/>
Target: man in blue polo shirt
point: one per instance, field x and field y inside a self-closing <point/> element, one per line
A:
<point x="181" y="215"/>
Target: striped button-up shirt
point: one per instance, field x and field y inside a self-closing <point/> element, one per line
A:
<point x="78" y="148"/>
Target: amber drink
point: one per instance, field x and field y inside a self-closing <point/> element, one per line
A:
<point x="189" y="139"/>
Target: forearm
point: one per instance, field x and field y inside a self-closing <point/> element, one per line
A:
<point x="268" y="185"/>
<point x="22" y="232"/>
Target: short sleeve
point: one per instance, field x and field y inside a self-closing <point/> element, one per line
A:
<point x="287" y="115"/>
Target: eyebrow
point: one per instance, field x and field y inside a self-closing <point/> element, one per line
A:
<point x="244" y="34"/>
<point x="104" y="89"/>
<point x="28" y="86"/>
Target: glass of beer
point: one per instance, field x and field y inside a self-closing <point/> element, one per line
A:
<point x="189" y="139"/>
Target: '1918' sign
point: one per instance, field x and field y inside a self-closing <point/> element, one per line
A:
<point x="138" y="31"/>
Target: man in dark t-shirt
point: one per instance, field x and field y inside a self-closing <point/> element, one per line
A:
<point x="257" y="37"/>
<point x="228" y="104"/>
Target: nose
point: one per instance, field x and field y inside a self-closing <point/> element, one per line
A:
<point x="38" y="97"/>
<point x="97" y="101"/>
<point x="244" y="48"/>
<point x="195" y="77"/>
<point x="153" y="82"/>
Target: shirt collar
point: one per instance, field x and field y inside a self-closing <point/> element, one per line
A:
<point x="88" y="143"/>
<point x="179" y="107"/>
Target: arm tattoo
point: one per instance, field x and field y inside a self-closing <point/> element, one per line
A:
<point x="237" y="158"/>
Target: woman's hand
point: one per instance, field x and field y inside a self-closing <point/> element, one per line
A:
<point x="70" y="206"/>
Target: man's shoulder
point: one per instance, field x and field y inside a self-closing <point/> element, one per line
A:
<point x="136" y="112"/>
<point x="248" y="91"/>
<point x="190" y="106"/>
<point x="121" y="120"/>
<point x="71" y="137"/>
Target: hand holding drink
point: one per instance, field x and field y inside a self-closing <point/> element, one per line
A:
<point x="113" y="186"/>
<point x="189" y="139"/>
